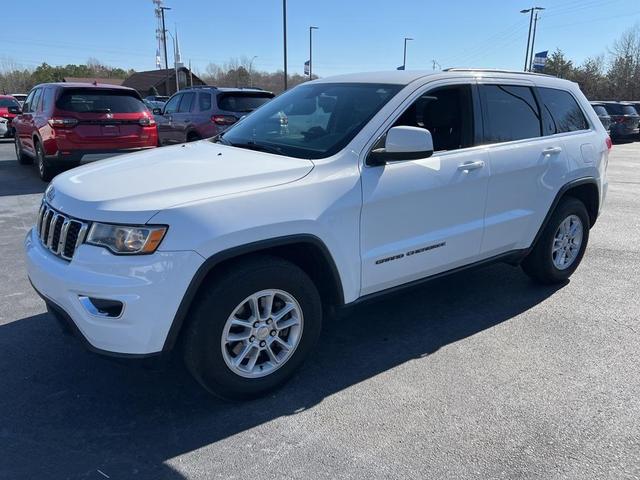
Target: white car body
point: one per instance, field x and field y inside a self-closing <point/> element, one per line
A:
<point x="4" y="126"/>
<point x="381" y="227"/>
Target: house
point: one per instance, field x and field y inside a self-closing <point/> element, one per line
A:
<point x="162" y="81"/>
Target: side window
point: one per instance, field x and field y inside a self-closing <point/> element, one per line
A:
<point x="447" y="113"/>
<point x="511" y="113"/>
<point x="186" y="102"/>
<point x="172" y="104"/>
<point x="35" y="104"/>
<point x="26" y="107"/>
<point x="204" y="100"/>
<point x="563" y="112"/>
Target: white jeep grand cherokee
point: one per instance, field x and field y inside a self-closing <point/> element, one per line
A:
<point x="336" y="191"/>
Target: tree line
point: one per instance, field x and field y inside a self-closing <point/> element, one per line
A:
<point x="614" y="75"/>
<point x="611" y="76"/>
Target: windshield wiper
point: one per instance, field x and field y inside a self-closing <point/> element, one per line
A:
<point x="100" y="110"/>
<point x="259" y="147"/>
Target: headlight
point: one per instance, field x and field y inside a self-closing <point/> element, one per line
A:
<point x="124" y="239"/>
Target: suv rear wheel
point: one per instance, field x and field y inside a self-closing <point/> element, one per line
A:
<point x="252" y="328"/>
<point x="561" y="246"/>
<point x="45" y="169"/>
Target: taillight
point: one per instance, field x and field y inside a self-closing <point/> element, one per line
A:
<point x="609" y="143"/>
<point x="63" y="122"/>
<point x="146" y="121"/>
<point x="224" y="119"/>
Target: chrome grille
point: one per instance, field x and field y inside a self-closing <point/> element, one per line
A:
<point x="59" y="233"/>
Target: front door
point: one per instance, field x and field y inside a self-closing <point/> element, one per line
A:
<point x="422" y="217"/>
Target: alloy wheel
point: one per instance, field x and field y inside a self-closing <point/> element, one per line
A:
<point x="262" y="333"/>
<point x="567" y="242"/>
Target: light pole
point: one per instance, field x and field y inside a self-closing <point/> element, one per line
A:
<point x="311" y="29"/>
<point x="529" y="11"/>
<point x="175" y="62"/>
<point x="164" y="44"/>
<point x="251" y="71"/>
<point x="284" y="31"/>
<point x="404" y="56"/>
<point x="533" y="41"/>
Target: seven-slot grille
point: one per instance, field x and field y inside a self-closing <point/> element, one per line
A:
<point x="59" y="233"/>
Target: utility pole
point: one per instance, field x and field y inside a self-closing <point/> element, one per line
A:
<point x="284" y="30"/>
<point x="533" y="42"/>
<point x="164" y="43"/>
<point x="311" y="29"/>
<point x="530" y="11"/>
<point x="404" y="56"/>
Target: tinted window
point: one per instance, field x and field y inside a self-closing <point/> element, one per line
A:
<point x="600" y="111"/>
<point x="511" y="113"/>
<point x="8" y="102"/>
<point x="91" y="100"/>
<point x="629" y="110"/>
<point x="27" y="103"/>
<point x="447" y="113"/>
<point x="186" y="102"/>
<point x="35" y="103"/>
<point x="241" y="102"/>
<point x="205" y="101"/>
<point x="563" y="113"/>
<point x="172" y="104"/>
<point x="311" y="121"/>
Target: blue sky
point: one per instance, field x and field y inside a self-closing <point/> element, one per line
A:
<point x="353" y="35"/>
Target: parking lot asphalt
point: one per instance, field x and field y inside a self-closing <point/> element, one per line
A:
<point x="481" y="374"/>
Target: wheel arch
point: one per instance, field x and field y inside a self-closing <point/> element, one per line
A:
<point x="306" y="251"/>
<point x="584" y="189"/>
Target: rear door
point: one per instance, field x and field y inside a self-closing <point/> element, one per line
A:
<point x="165" y="121"/>
<point x="525" y="165"/>
<point x="182" y="120"/>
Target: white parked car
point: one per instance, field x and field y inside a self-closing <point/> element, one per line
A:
<point x="4" y="127"/>
<point x="234" y="248"/>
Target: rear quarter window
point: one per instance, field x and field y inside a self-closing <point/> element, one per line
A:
<point x="99" y="101"/>
<point x="563" y="114"/>
<point x="600" y="111"/>
<point x="204" y="101"/>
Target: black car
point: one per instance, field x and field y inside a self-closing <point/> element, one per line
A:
<point x="603" y="115"/>
<point x="625" y="121"/>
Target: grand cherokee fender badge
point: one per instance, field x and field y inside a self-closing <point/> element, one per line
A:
<point x="410" y="253"/>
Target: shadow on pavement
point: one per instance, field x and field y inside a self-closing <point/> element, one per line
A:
<point x="16" y="179"/>
<point x="67" y="413"/>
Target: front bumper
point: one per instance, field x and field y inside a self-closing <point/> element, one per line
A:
<point x="151" y="288"/>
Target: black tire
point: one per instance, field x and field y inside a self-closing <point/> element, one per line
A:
<point x="202" y="341"/>
<point x="193" y="137"/>
<point x="23" y="159"/>
<point x="46" y="171"/>
<point x="539" y="264"/>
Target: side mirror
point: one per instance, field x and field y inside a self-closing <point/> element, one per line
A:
<point x="403" y="143"/>
<point x="157" y="111"/>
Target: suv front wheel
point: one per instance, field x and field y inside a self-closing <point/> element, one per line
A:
<point x="252" y="327"/>
<point x="560" y="248"/>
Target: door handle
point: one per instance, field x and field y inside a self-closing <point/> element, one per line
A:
<point x="465" y="167"/>
<point x="552" y="150"/>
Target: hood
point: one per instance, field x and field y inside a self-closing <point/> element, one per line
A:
<point x="132" y="188"/>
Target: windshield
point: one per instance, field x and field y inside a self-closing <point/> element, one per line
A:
<point x="9" y="102"/>
<point x="311" y="121"/>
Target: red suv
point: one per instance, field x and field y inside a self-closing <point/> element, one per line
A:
<point x="9" y="108"/>
<point x="62" y="122"/>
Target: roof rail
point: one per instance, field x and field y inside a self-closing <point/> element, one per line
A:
<point x="492" y="70"/>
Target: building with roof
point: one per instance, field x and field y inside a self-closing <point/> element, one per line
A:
<point x="163" y="81"/>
